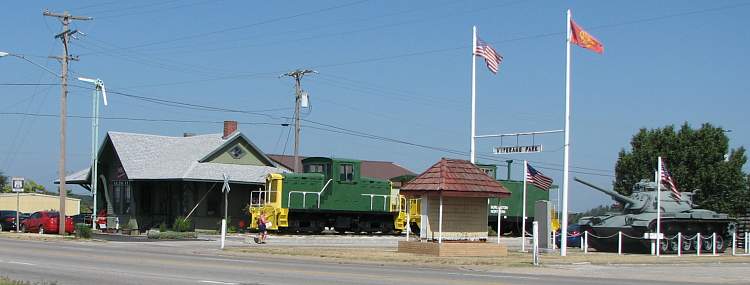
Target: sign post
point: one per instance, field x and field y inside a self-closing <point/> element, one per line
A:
<point x="225" y="188"/>
<point x="500" y="211"/>
<point x="18" y="188"/>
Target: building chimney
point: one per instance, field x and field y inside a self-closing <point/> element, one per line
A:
<point x="229" y="128"/>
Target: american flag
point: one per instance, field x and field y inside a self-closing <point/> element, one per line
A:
<point x="537" y="179"/>
<point x="491" y="57"/>
<point x="667" y="180"/>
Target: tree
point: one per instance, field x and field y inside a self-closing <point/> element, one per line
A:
<point x="698" y="160"/>
<point x="3" y="180"/>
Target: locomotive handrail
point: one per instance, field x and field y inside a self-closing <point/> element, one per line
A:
<point x="304" y="195"/>
<point x="262" y="196"/>
<point x="385" y="199"/>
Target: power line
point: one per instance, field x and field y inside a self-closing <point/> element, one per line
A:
<point x="138" y="119"/>
<point x="264" y="22"/>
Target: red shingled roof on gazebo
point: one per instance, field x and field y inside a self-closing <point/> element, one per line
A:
<point x="455" y="177"/>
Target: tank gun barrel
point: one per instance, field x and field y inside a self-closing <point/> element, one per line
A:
<point x="617" y="196"/>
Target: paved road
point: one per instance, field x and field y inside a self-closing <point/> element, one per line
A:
<point x="192" y="262"/>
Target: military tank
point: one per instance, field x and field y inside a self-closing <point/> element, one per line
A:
<point x="638" y="216"/>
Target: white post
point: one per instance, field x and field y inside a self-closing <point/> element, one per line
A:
<point x="535" y="247"/>
<point x="566" y="146"/>
<point x="499" y="219"/>
<point x="18" y="213"/>
<point x="94" y="152"/>
<point x="679" y="244"/>
<point x="440" y="220"/>
<point x="619" y="243"/>
<point x="473" y="95"/>
<point x="223" y="232"/>
<point x="554" y="238"/>
<point x="224" y="221"/>
<point x="734" y="243"/>
<point x="658" y="206"/>
<point x="586" y="242"/>
<point x="580" y="244"/>
<point x="523" y="207"/>
<point x="713" y="244"/>
<point x="698" y="244"/>
<point x="408" y="218"/>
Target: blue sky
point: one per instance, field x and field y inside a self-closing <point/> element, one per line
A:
<point x="396" y="69"/>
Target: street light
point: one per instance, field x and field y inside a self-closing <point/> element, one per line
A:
<point x="99" y="87"/>
<point x="4" y="54"/>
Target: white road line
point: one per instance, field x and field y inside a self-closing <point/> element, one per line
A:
<point x="493" y="275"/>
<point x="21" y="263"/>
<point x="218" y="282"/>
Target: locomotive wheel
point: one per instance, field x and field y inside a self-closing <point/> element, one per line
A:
<point x="340" y="230"/>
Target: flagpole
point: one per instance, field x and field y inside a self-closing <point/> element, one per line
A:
<point x="473" y="95"/>
<point x="523" y="211"/>
<point x="658" y="207"/>
<point x="566" y="146"/>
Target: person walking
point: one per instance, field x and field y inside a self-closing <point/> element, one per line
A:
<point x="262" y="231"/>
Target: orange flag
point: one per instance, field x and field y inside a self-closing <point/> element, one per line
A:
<point x="584" y="39"/>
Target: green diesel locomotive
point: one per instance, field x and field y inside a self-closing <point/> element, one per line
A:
<point x="331" y="193"/>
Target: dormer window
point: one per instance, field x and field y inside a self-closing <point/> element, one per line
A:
<point x="237" y="152"/>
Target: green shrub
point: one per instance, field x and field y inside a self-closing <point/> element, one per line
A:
<point x="171" y="235"/>
<point x="182" y="224"/>
<point x="83" y="231"/>
<point x="163" y="227"/>
<point x="232" y="229"/>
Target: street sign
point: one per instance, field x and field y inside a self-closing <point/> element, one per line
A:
<point x="518" y="149"/>
<point x="494" y="209"/>
<point x="653" y="236"/>
<point x="17" y="184"/>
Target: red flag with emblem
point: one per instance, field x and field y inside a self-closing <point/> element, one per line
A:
<point x="584" y="39"/>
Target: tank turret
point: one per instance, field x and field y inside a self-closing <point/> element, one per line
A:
<point x="626" y="201"/>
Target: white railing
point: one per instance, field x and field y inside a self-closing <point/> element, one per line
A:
<point x="385" y="200"/>
<point x="702" y="244"/>
<point x="261" y="197"/>
<point x="304" y="195"/>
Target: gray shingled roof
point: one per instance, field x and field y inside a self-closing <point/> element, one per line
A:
<point x="153" y="157"/>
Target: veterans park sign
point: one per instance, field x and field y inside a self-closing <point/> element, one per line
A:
<point x="518" y="149"/>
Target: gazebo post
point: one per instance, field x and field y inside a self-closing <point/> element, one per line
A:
<point x="440" y="220"/>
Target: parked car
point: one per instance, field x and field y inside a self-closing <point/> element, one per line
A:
<point x="574" y="236"/>
<point x="46" y="222"/>
<point x="8" y="220"/>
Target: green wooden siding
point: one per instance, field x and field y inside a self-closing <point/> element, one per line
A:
<point x="514" y="202"/>
<point x="250" y="156"/>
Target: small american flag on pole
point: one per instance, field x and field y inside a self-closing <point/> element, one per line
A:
<point x="667" y="180"/>
<point x="491" y="57"/>
<point x="537" y="179"/>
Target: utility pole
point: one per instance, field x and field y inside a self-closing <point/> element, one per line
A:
<point x="64" y="36"/>
<point x="297" y="75"/>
